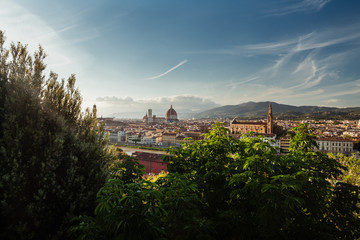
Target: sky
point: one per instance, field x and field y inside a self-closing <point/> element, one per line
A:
<point x="131" y="55"/>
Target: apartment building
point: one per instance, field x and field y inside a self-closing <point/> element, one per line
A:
<point x="336" y="145"/>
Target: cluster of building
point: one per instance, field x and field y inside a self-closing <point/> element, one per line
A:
<point x="333" y="136"/>
<point x="155" y="131"/>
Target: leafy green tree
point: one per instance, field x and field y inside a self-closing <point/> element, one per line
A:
<point x="351" y="174"/>
<point x="304" y="139"/>
<point x="53" y="157"/>
<point x="127" y="170"/>
<point x="159" y="209"/>
<point x="224" y="188"/>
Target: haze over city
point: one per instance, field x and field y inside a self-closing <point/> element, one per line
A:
<point x="129" y="56"/>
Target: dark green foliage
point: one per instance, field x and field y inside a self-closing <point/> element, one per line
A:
<point x="224" y="188"/>
<point x="53" y="158"/>
<point x="123" y="202"/>
<point x="304" y="139"/>
<point x="351" y="174"/>
<point x="127" y="170"/>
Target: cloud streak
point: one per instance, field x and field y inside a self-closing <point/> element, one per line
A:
<point x="303" y="6"/>
<point x="168" y="71"/>
<point x="307" y="68"/>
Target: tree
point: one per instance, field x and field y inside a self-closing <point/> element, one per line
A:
<point x="351" y="174"/>
<point x="304" y="139"/>
<point x="128" y="207"/>
<point x="53" y="157"/>
<point x="224" y="188"/>
<point x="127" y="170"/>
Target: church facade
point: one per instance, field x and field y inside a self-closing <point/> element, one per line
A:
<point x="241" y="127"/>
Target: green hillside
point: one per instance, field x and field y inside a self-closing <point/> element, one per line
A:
<point x="254" y="110"/>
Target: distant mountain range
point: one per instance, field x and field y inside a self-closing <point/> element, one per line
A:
<point x="256" y="110"/>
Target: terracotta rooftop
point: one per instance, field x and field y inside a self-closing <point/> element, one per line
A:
<point x="334" y="139"/>
<point x="249" y="123"/>
<point x="169" y="134"/>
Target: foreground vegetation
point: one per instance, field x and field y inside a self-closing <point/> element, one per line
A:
<point x="58" y="179"/>
<point x="224" y="188"/>
<point x="53" y="159"/>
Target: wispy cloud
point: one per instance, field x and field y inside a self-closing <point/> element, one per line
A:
<point x="310" y="41"/>
<point x="330" y="101"/>
<point x="233" y="85"/>
<point x="168" y="71"/>
<point x="306" y="68"/>
<point x="303" y="6"/>
<point x="26" y="27"/>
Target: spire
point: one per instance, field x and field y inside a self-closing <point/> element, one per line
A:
<point x="94" y="110"/>
<point x="270" y="109"/>
<point x="270" y="122"/>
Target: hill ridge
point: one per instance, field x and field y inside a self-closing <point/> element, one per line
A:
<point x="255" y="110"/>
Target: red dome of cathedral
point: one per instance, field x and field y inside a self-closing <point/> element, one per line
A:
<point x="171" y="115"/>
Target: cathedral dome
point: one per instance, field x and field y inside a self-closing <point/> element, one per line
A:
<point x="171" y="115"/>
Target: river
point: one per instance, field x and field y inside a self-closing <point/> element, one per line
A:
<point x="130" y="151"/>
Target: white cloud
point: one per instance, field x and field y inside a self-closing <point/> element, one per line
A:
<point x="310" y="41"/>
<point x="20" y="25"/>
<point x="181" y="103"/>
<point x="303" y="69"/>
<point x="271" y="46"/>
<point x="303" y="6"/>
<point x="333" y="100"/>
<point x="233" y="85"/>
<point x="168" y="71"/>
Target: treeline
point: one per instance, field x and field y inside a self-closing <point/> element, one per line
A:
<point x="346" y="114"/>
<point x="59" y="180"/>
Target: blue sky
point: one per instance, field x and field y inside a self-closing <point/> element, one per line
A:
<point x="131" y="55"/>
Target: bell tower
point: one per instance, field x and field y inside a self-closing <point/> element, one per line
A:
<point x="150" y="116"/>
<point x="94" y="110"/>
<point x="270" y="121"/>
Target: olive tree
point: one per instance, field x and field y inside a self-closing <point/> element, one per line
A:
<point x="53" y="156"/>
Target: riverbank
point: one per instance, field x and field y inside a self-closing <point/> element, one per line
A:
<point x="129" y="150"/>
<point x="140" y="146"/>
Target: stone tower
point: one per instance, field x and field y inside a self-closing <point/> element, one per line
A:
<point x="94" y="110"/>
<point x="270" y="121"/>
<point x="150" y="116"/>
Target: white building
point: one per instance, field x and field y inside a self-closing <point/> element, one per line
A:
<point x="114" y="136"/>
<point x="336" y="145"/>
<point x="133" y="138"/>
<point x="148" y="140"/>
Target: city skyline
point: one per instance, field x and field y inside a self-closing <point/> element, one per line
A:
<point x="130" y="56"/>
